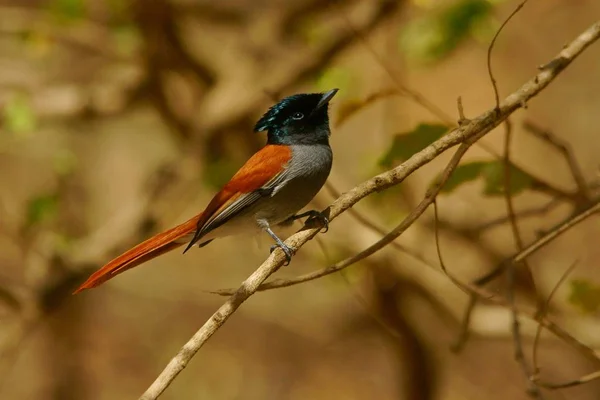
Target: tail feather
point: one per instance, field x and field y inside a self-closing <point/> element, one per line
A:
<point x="145" y="251"/>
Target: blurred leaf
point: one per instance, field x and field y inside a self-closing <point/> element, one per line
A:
<point x="127" y="39"/>
<point x="62" y="242"/>
<point x="38" y="43"/>
<point x="493" y="173"/>
<point x="436" y="35"/>
<point x="314" y="33"/>
<point x="351" y="107"/>
<point x="406" y="144"/>
<point x="462" y="174"/>
<point x="18" y="116"/>
<point x="218" y="172"/>
<point x="585" y="295"/>
<point x="42" y="209"/>
<point x="119" y="10"/>
<point x="68" y="10"/>
<point x="336" y="77"/>
<point x="64" y="162"/>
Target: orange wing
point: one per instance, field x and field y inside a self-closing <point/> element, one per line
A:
<point x="264" y="166"/>
<point x="261" y="168"/>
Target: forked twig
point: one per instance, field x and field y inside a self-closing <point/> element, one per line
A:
<point x="564" y="148"/>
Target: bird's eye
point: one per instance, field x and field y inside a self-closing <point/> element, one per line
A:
<point x="298" y="116"/>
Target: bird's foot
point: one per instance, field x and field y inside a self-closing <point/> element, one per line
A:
<point x="288" y="251"/>
<point x="314" y="215"/>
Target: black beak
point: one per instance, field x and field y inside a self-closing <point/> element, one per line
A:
<point x="327" y="96"/>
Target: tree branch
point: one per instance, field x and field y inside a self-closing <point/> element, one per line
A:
<point x="467" y="133"/>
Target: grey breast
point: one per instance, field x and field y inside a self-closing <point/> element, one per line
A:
<point x="305" y="175"/>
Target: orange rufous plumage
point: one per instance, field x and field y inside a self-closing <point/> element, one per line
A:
<point x="265" y="164"/>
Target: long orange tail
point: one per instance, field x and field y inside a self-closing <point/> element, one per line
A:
<point x="145" y="251"/>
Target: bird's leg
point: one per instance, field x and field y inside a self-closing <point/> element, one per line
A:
<point x="289" y="252"/>
<point x="312" y="215"/>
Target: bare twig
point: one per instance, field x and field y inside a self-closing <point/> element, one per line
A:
<point x="491" y="47"/>
<point x="530" y="212"/>
<point x="541" y="242"/>
<point x="543" y="312"/>
<point x="522" y="255"/>
<point x="470" y="132"/>
<point x="510" y="271"/>
<point x="511" y="264"/>
<point x="361" y="219"/>
<point x="564" y="148"/>
<point x="428" y="105"/>
<point x="461" y="112"/>
<point x="576" y="382"/>
<point x="478" y="294"/>
<point x="387" y="179"/>
<point x="380" y="244"/>
<point x="463" y="333"/>
<point x="438" y="247"/>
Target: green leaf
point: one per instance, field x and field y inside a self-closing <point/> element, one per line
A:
<point x="406" y="144"/>
<point x="493" y="173"/>
<point x="65" y="162"/>
<point x="119" y="9"/>
<point x="42" y="209"/>
<point x="68" y="10"/>
<point x="18" y="116"/>
<point x="218" y="172"/>
<point x="127" y="39"/>
<point x="435" y="36"/>
<point x="336" y="77"/>
<point x="462" y="174"/>
<point x="585" y="295"/>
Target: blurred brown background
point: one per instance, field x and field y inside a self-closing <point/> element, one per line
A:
<point x="122" y="117"/>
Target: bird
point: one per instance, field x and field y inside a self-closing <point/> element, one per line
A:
<point x="274" y="184"/>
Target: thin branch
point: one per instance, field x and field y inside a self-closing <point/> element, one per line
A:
<point x="564" y="148"/>
<point x="438" y="248"/>
<point x="428" y="105"/>
<point x="478" y="294"/>
<point x="491" y="47"/>
<point x="576" y="382"/>
<point x="180" y="361"/>
<point x="510" y="271"/>
<point x="543" y="312"/>
<point x="522" y="255"/>
<point x="541" y="242"/>
<point x="361" y="219"/>
<point x="530" y="212"/>
<point x="381" y="243"/>
<point x="306" y="68"/>
<point x="466" y="134"/>
<point x="463" y="333"/>
<point x="517" y="258"/>
<point x="388" y="179"/>
<point x="405" y="90"/>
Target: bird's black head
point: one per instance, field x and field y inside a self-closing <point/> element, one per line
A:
<point x="298" y="119"/>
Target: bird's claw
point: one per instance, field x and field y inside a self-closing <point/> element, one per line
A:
<point x="288" y="251"/>
<point x="322" y="219"/>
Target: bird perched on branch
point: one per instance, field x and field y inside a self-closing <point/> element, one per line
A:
<point x="273" y="185"/>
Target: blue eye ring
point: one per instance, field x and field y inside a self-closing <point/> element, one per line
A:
<point x="298" y="116"/>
